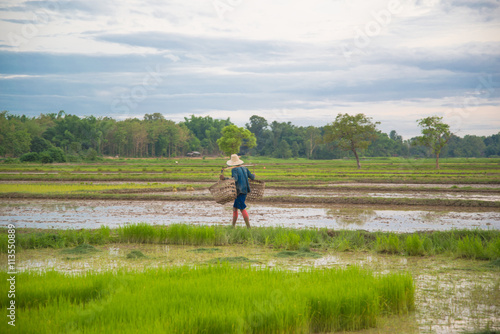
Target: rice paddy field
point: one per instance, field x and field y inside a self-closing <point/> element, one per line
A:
<point x="191" y="277"/>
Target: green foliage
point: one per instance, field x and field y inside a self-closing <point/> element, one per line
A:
<point x="30" y="157"/>
<point x="200" y="300"/>
<point x="136" y="254"/>
<point x="233" y="137"/>
<point x="435" y="134"/>
<point x="39" y="144"/>
<point x="351" y="133"/>
<point x="415" y="245"/>
<point x="155" y="136"/>
<point x="80" y="249"/>
<point x="472" y="247"/>
<point x="388" y="244"/>
<point x="476" y="244"/>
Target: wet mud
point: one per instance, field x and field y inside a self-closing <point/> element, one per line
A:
<point x="76" y="214"/>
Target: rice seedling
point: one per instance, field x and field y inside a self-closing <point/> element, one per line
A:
<point x="211" y="299"/>
<point x="205" y="250"/>
<point x="393" y="170"/>
<point x="474" y="244"/>
<point x="135" y="254"/>
<point x="414" y="245"/>
<point x="80" y="249"/>
<point x="388" y="244"/>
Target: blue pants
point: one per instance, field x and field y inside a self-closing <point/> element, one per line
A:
<point x="239" y="202"/>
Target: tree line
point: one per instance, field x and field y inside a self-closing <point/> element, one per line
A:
<point x="63" y="137"/>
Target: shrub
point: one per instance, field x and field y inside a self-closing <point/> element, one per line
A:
<point x="10" y="161"/>
<point x="30" y="157"/>
<point x="45" y="158"/>
<point x="56" y="154"/>
<point x="91" y="154"/>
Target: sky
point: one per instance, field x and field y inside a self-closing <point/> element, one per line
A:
<point x="396" y="61"/>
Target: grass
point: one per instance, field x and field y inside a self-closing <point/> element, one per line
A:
<point x="80" y="249"/>
<point x="472" y="244"/>
<point x="135" y="254"/>
<point x="292" y="171"/>
<point x="213" y="299"/>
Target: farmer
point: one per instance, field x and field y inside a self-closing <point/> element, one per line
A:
<point x="240" y="176"/>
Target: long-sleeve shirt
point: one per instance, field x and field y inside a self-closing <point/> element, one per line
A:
<point x="240" y="176"/>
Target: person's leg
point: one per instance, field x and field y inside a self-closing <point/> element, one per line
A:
<point x="235" y="216"/>
<point x="244" y="213"/>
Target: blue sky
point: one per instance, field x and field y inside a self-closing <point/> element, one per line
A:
<point x="301" y="61"/>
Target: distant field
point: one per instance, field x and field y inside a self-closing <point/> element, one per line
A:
<point x="283" y="172"/>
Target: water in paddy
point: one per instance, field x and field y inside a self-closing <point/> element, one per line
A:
<point x="76" y="214"/>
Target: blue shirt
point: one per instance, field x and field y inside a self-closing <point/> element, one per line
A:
<point x="240" y="176"/>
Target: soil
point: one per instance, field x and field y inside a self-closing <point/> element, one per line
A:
<point x="76" y="214"/>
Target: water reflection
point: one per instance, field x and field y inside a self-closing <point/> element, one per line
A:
<point x="351" y="216"/>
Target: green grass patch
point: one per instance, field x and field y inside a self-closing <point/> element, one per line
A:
<point x="205" y="250"/>
<point x="473" y="244"/>
<point x="301" y="253"/>
<point x="80" y="249"/>
<point x="136" y="254"/>
<point x="213" y="299"/>
<point x="230" y="259"/>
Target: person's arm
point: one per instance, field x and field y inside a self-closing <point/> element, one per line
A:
<point x="250" y="175"/>
<point x="234" y="175"/>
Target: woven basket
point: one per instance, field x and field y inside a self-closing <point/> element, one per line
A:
<point x="257" y="188"/>
<point x="223" y="191"/>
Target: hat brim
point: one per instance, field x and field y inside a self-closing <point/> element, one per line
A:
<point x="234" y="163"/>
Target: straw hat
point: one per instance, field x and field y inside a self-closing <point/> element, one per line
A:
<point x="235" y="160"/>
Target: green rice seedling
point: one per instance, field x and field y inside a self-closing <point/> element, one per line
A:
<point x="205" y="250"/>
<point x="230" y="259"/>
<point x="141" y="232"/>
<point x="414" y="245"/>
<point x="298" y="253"/>
<point x="388" y="244"/>
<point x="493" y="249"/>
<point x="80" y="249"/>
<point x="208" y="299"/>
<point x="472" y="248"/>
<point x="135" y="254"/>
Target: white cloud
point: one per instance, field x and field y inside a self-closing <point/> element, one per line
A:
<point x="287" y="59"/>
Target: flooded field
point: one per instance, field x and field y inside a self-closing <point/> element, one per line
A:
<point x="76" y="214"/>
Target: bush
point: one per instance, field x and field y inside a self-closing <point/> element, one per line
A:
<point x="45" y="158"/>
<point x="30" y="157"/>
<point x="11" y="161"/>
<point x="91" y="154"/>
<point x="56" y="154"/>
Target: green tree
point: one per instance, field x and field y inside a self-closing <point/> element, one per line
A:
<point x="313" y="139"/>
<point x="232" y="138"/>
<point x="435" y="134"/>
<point x="351" y="133"/>
<point x="283" y="150"/>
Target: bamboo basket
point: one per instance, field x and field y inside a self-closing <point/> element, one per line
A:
<point x="257" y="188"/>
<point x="224" y="191"/>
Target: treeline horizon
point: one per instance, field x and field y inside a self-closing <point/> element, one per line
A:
<point x="64" y="137"/>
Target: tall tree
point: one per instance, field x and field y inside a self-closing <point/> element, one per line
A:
<point x="435" y="134"/>
<point x="232" y="138"/>
<point x="313" y="139"/>
<point x="351" y="133"/>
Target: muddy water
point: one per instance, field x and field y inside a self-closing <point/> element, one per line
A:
<point x="76" y="214"/>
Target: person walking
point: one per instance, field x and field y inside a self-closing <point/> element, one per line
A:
<point x="240" y="174"/>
